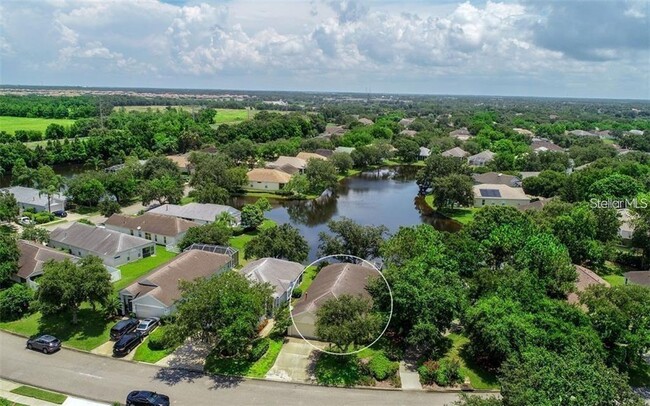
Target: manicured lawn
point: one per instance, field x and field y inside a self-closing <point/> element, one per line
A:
<point x="145" y="354"/>
<point x="134" y="270"/>
<point x="233" y="115"/>
<point x="307" y="278"/>
<point x="91" y="331"/>
<point x="41" y="394"/>
<point x="238" y="242"/>
<point x="480" y="378"/>
<point x="615" y="280"/>
<point x="11" y="124"/>
<point x="242" y="366"/>
<point x="463" y="216"/>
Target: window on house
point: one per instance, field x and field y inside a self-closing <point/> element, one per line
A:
<point x="164" y="240"/>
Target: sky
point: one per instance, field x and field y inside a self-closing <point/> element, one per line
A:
<point x="570" y="48"/>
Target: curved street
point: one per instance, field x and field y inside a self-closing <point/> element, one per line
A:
<point x="110" y="380"/>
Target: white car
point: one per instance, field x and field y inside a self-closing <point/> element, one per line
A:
<point x="146" y="326"/>
<point x="25" y="221"/>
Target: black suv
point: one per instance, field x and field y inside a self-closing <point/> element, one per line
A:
<point x="45" y="343"/>
<point x="123" y="327"/>
<point x="125" y="344"/>
<point x="60" y="213"/>
<point x="146" y="398"/>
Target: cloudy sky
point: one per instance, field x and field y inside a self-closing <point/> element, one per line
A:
<point x="560" y="48"/>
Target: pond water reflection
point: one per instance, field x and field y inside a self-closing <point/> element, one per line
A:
<point x="385" y="196"/>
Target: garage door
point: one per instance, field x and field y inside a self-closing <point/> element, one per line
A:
<point x="143" y="311"/>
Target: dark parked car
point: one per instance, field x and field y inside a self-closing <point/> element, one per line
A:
<point x="123" y="327"/>
<point x="45" y="343"/>
<point x="60" y="213"/>
<point x="146" y="326"/>
<point x="146" y="398"/>
<point x="125" y="344"/>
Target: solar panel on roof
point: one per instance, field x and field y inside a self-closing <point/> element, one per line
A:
<point x="490" y="193"/>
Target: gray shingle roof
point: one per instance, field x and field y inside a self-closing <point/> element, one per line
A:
<point x="31" y="196"/>
<point x="98" y="240"/>
<point x="456" y="152"/>
<point x="152" y="223"/>
<point x="34" y="255"/>
<point x="278" y="272"/>
<point x="196" y="211"/>
<point x="496" y="178"/>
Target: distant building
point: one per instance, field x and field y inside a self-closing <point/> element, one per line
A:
<point x="626" y="229"/>
<point x="523" y="131"/>
<point x="408" y="133"/>
<point x="496" y="178"/>
<point x="30" y="198"/>
<point x="482" y="158"/>
<point x="267" y="179"/>
<point x="499" y="195"/>
<point x="635" y="132"/>
<point x="637" y="278"/>
<point x="535" y="205"/>
<point x="200" y="213"/>
<point x="405" y="122"/>
<point x="424" y="153"/>
<point x="543" y="145"/>
<point x="324" y="152"/>
<point x="165" y="230"/>
<point x="156" y="294"/>
<point x="280" y="274"/>
<point x="306" y="156"/>
<point x="581" y="133"/>
<point x="288" y="164"/>
<point x="462" y="134"/>
<point x="182" y="161"/>
<point x="586" y="278"/>
<point x="455" y="152"/>
<point x="113" y="247"/>
<point x="366" y="121"/>
<point x="347" y="150"/>
<point x="331" y="282"/>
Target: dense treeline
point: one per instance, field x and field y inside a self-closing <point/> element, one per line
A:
<point x="49" y="107"/>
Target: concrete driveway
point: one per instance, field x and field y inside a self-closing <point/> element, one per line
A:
<point x="106" y="350"/>
<point x="294" y="362"/>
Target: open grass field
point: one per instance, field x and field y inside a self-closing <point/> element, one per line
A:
<point x="463" y="216"/>
<point x="91" y="331"/>
<point x="134" y="270"/>
<point x="11" y="124"/>
<point x="224" y="116"/>
<point x="40" y="394"/>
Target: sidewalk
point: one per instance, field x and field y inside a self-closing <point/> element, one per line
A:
<point x="7" y="386"/>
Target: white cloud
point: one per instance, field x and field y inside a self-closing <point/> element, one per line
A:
<point x="239" y="42"/>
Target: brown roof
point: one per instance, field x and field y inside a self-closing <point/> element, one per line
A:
<point x="34" y="255"/>
<point x="182" y="161"/>
<point x="333" y="281"/>
<point x="310" y="155"/>
<point x="162" y="282"/>
<point x="638" y="278"/>
<point x="324" y="152"/>
<point x="152" y="223"/>
<point x="268" y="175"/>
<point x="545" y="145"/>
<point x="586" y="278"/>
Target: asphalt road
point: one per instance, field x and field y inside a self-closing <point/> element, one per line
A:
<point x="107" y="379"/>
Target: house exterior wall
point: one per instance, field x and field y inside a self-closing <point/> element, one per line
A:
<point x="54" y="206"/>
<point x="148" y="306"/>
<point x="120" y="258"/>
<point x="482" y="202"/>
<point x="264" y="185"/>
<point x="157" y="238"/>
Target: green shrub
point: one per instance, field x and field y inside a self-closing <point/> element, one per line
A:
<point x="452" y="370"/>
<point x="429" y="372"/>
<point x="43" y="217"/>
<point x="258" y="349"/>
<point x="381" y="367"/>
<point x="296" y="293"/>
<point x="85" y="221"/>
<point x="158" y="340"/>
<point x="14" y="302"/>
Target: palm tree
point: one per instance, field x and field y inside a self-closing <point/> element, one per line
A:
<point x="226" y="218"/>
<point x="48" y="183"/>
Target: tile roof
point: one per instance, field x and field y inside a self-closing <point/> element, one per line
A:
<point x="333" y="281"/>
<point x="152" y="223"/>
<point x="287" y="160"/>
<point x="457" y="152"/>
<point x="461" y="132"/>
<point x="523" y="131"/>
<point x="162" y="282"/>
<point x="310" y="155"/>
<point x="545" y="145"/>
<point x="34" y="255"/>
<point x="278" y="272"/>
<point x="96" y="239"/>
<point x="586" y="278"/>
<point x="195" y="211"/>
<point x="268" y="175"/>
